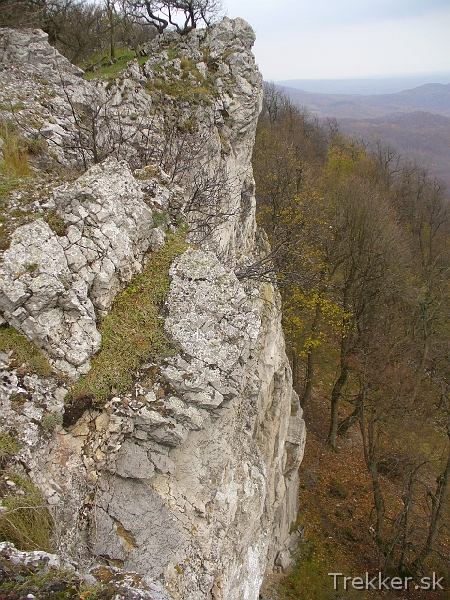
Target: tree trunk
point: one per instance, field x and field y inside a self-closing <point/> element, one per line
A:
<point x="353" y="417"/>
<point x="112" y="29"/>
<point x="310" y="363"/>
<point x="439" y="501"/>
<point x="369" y="443"/>
<point x="307" y="392"/>
<point x="337" y="391"/>
<point x="112" y="49"/>
<point x="344" y="368"/>
<point x="295" y="371"/>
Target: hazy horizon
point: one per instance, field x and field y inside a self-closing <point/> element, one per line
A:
<point x="439" y="74"/>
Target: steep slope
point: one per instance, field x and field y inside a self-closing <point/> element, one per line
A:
<point x="189" y="477"/>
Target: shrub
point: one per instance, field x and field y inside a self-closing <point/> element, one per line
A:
<point x="51" y="420"/>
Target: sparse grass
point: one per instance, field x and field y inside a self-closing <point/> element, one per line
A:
<point x="6" y="186"/>
<point x="56" y="223"/>
<point x="26" y="521"/>
<point x="15" y="172"/>
<point x="190" y="87"/>
<point x="11" y="219"/>
<point x="8" y="448"/>
<point x="181" y="90"/>
<point x="172" y="52"/>
<point x="188" y="66"/>
<point x="10" y="107"/>
<point x="188" y="126"/>
<point x="24" y="352"/>
<point x="133" y="330"/>
<point x="15" y="155"/>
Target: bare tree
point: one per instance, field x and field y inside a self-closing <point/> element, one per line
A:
<point x="183" y="15"/>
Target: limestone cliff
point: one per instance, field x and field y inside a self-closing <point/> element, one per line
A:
<point x="190" y="477"/>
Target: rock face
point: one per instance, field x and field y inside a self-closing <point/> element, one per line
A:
<point x="189" y="479"/>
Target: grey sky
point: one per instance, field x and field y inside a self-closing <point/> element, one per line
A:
<point x="328" y="39"/>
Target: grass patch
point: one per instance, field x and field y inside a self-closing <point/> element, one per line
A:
<point x="8" y="448"/>
<point x="133" y="330"/>
<point x="26" y="521"/>
<point x="24" y="352"/>
<point x="15" y="154"/>
<point x="106" y="70"/>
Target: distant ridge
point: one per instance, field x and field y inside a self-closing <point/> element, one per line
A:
<point x="364" y="87"/>
<point x="431" y="97"/>
<point x="416" y="121"/>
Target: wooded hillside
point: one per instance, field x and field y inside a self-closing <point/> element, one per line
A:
<point x="360" y="247"/>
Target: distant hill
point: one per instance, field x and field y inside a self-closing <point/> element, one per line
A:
<point x="414" y="121"/>
<point x="420" y="135"/>
<point x="379" y="85"/>
<point x="431" y="97"/>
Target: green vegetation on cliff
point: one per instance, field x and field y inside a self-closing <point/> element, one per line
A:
<point x="133" y="331"/>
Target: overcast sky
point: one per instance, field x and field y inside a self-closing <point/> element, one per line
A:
<point x="332" y="39"/>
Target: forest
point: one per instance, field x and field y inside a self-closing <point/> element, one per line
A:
<point x="360" y="247"/>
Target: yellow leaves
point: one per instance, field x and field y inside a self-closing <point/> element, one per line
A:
<point x="347" y="159"/>
<point x="311" y="344"/>
<point x="305" y="302"/>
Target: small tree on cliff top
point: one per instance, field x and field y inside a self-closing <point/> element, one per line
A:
<point x="184" y="15"/>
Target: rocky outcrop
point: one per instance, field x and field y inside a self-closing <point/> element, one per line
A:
<point x="200" y="131"/>
<point x="219" y="180"/>
<point x="31" y="47"/>
<point x="189" y="478"/>
<point x="45" y="574"/>
<point x="50" y="285"/>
